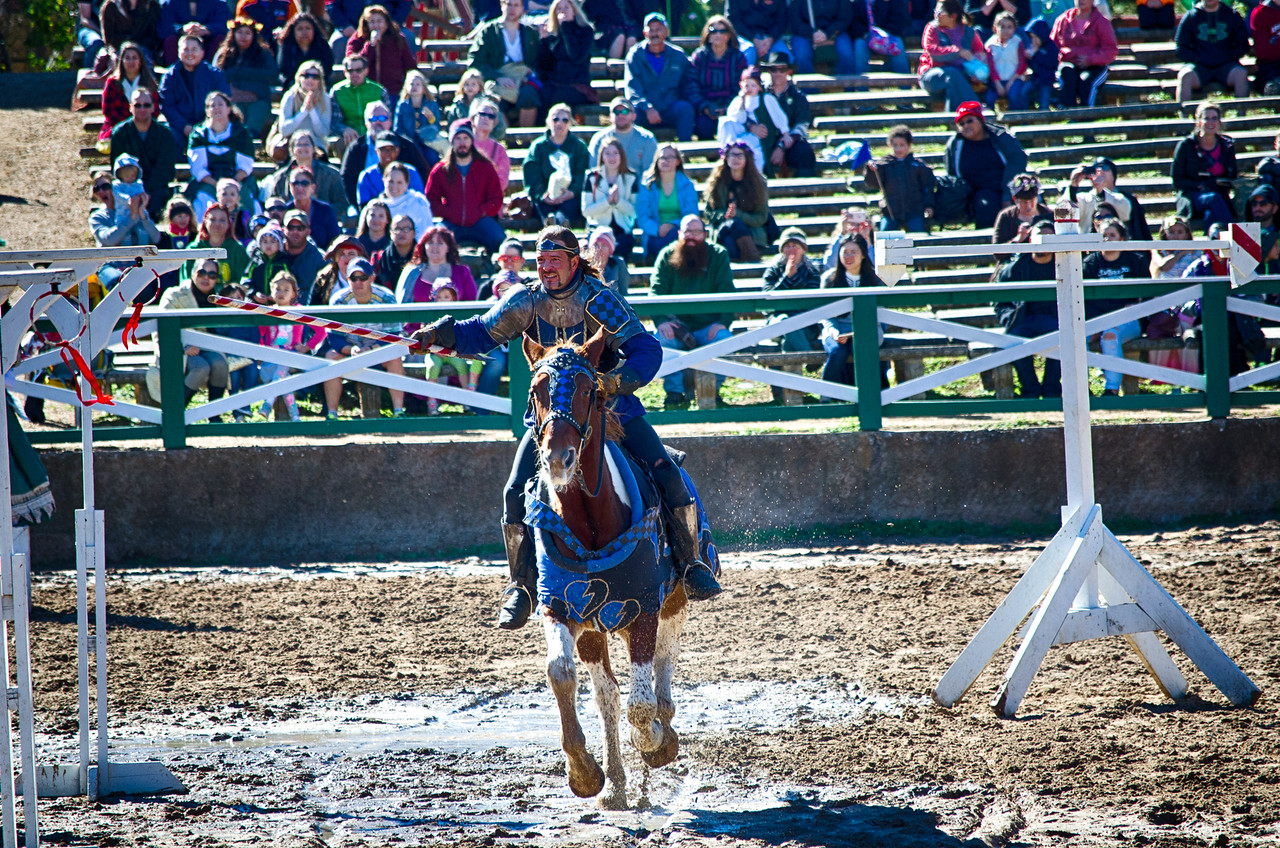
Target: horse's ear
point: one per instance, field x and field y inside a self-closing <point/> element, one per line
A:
<point x="595" y="346"/>
<point x="533" y="352"/>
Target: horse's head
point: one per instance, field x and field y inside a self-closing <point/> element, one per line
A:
<point x="568" y="406"/>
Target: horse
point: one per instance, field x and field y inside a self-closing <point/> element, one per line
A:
<point x="604" y="567"/>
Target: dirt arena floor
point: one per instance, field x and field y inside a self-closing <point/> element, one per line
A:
<point x="378" y="705"/>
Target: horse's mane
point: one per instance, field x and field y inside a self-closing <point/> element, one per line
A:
<point x="613" y="431"/>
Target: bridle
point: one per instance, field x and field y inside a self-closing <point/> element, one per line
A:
<point x="564" y="367"/>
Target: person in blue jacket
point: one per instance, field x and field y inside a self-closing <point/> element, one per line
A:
<point x="666" y="195"/>
<point x="569" y="302"/>
<point x="184" y="87"/>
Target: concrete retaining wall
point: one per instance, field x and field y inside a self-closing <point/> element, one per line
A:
<point x="371" y="502"/>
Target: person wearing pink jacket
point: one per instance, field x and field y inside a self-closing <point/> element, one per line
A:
<point x="1086" y="47"/>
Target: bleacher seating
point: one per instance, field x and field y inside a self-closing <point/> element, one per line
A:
<point x="1137" y="125"/>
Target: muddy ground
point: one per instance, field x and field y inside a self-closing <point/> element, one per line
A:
<point x="378" y="705"/>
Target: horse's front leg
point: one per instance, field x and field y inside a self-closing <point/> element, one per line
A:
<point x="667" y="651"/>
<point x="593" y="650"/>
<point x="642" y="703"/>
<point x="585" y="777"/>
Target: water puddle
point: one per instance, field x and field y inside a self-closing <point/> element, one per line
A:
<point x="413" y="769"/>
<point x="475" y="724"/>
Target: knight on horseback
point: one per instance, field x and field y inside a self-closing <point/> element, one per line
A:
<point x="567" y="303"/>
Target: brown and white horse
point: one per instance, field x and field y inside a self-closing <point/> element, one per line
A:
<point x="581" y="482"/>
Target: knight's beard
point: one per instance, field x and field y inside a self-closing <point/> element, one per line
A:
<point x="690" y="257"/>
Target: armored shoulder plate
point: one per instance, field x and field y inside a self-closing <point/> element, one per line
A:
<point x="508" y="318"/>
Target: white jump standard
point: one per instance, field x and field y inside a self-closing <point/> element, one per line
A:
<point x="1085" y="584"/>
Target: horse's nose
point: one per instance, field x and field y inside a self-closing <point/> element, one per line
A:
<point x="570" y="457"/>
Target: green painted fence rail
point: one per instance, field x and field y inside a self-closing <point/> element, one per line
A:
<point x="1217" y="400"/>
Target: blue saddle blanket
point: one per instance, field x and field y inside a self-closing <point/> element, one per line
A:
<point x="631" y="575"/>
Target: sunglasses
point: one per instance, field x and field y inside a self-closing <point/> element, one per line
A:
<point x="548" y="244"/>
<point x="101" y="187"/>
<point x="311" y="75"/>
<point x="357" y="69"/>
<point x="301" y="182"/>
<point x="142" y="105"/>
<point x="621" y="110"/>
<point x="297" y="227"/>
<point x="493" y="116"/>
<point x="379" y="119"/>
<point x="206" y="274"/>
<point x="717" y="31"/>
<point x="559" y="120"/>
<point x="359" y="278"/>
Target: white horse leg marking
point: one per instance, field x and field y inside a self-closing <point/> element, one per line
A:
<point x="642" y="708"/>
<point x="585" y="778"/>
<point x="666" y="654"/>
<point x="605" y="687"/>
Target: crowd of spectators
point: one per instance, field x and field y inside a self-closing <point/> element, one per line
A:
<point x="379" y="188"/>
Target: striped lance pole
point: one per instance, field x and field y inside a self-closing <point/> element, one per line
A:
<point x="336" y="326"/>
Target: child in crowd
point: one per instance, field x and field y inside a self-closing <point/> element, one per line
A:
<point x="1006" y="59"/>
<point x="907" y="184"/>
<point x="284" y="293"/>
<point x="126" y="186"/>
<point x="469" y="88"/>
<point x="266" y="261"/>
<point x="418" y="115"/>
<point x="1041" y="65"/>
<point x="468" y="370"/>
<point x="745" y="113"/>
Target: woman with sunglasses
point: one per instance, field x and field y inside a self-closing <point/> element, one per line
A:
<point x="203" y="369"/>
<point x="717" y="66"/>
<point x="556" y="168"/>
<point x="305" y="106"/>
<point x="485" y="117"/>
<point x="302" y="40"/>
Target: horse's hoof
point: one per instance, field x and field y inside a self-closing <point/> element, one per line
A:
<point x="665" y="753"/>
<point x="587" y="781"/>
<point x="614" y="799"/>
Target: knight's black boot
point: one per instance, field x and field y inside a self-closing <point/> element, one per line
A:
<point x="524" y="577"/>
<point x="699" y="582"/>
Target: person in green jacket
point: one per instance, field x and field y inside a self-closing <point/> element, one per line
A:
<point x="215" y="231"/>
<point x="691" y="265"/>
<point x="555" y="169"/>
<point x="351" y="96"/>
<point x="504" y="51"/>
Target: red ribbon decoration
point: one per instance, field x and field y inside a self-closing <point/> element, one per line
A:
<point x="98" y="395"/>
<point x="131" y="327"/>
<point x="72" y="358"/>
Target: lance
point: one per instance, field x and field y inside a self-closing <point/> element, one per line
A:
<point x="336" y="326"/>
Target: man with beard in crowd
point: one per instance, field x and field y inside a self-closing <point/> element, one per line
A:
<point x="465" y="192"/>
<point x="691" y="265"/>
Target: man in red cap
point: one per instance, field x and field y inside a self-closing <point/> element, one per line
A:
<point x="465" y="191"/>
<point x="988" y="158"/>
